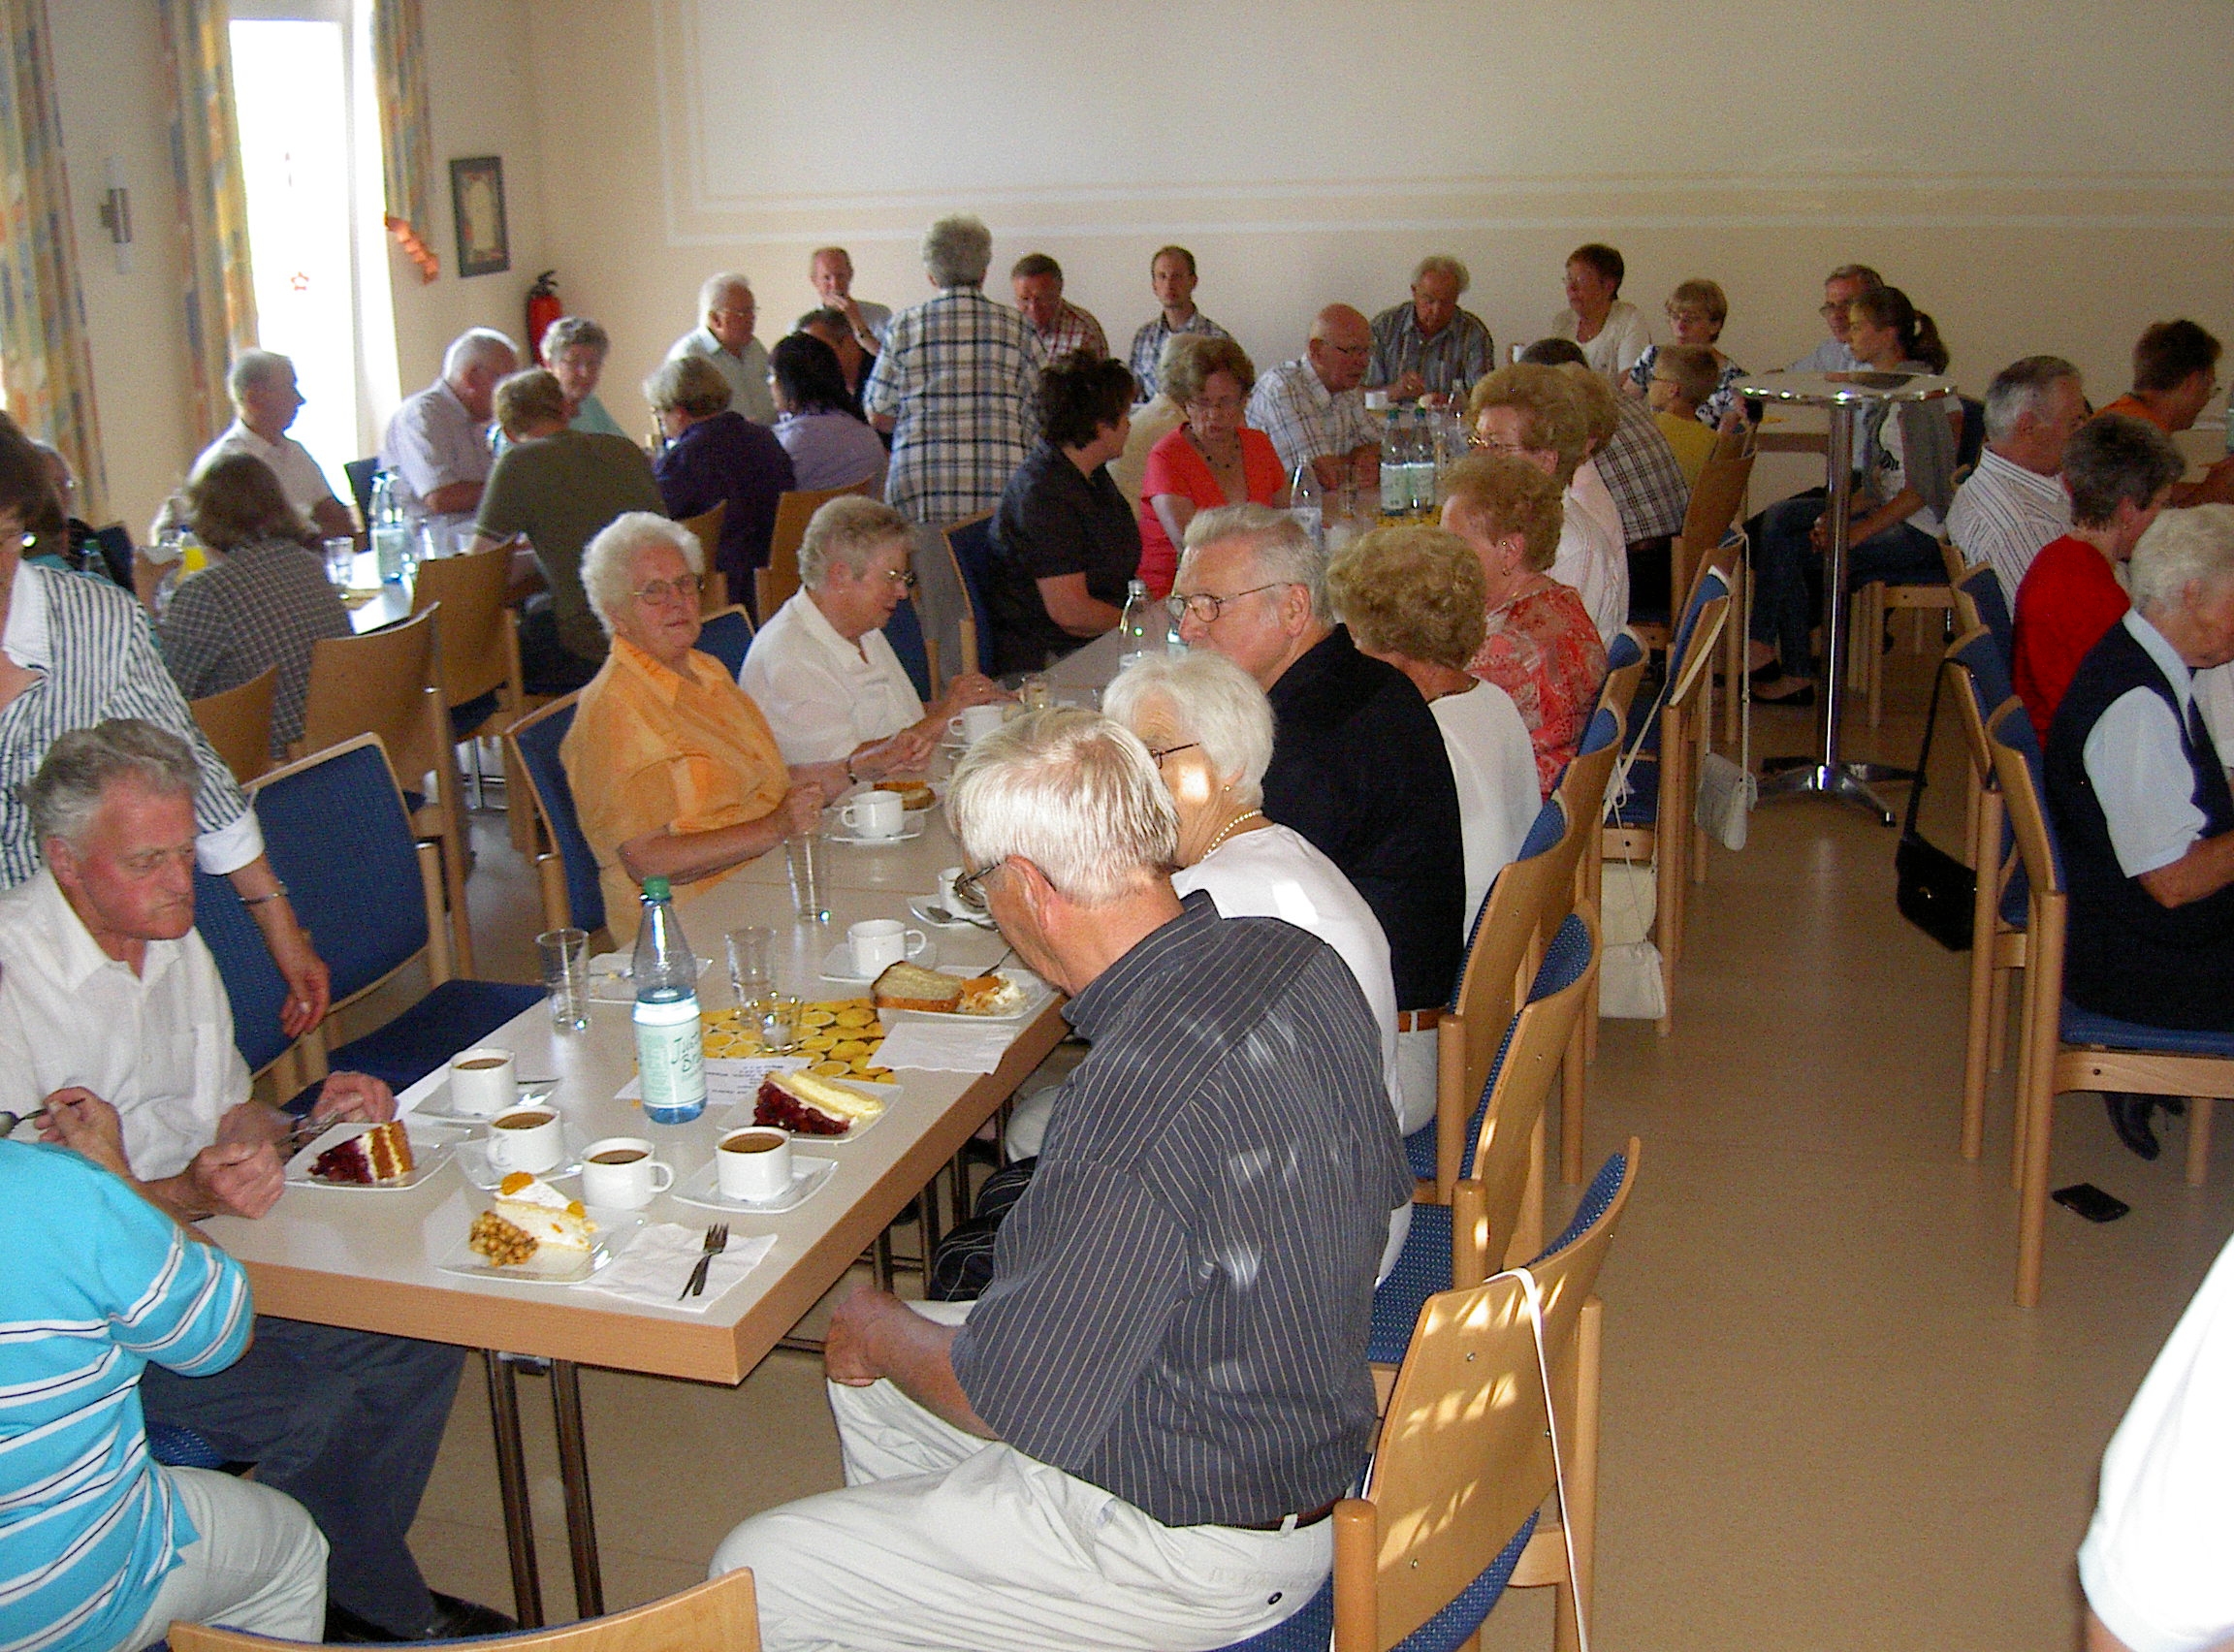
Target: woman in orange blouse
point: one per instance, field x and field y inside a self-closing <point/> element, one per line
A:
<point x="675" y="772"/>
<point x="1541" y="647"/>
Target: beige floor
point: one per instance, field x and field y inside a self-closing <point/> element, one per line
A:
<point x="1826" y="1427"/>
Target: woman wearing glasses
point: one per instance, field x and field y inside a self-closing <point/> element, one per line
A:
<point x="1697" y="310"/>
<point x="675" y="772"/>
<point x="822" y="669"/>
<point x="1213" y="459"/>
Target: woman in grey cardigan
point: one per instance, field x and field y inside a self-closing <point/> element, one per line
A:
<point x="1904" y="485"/>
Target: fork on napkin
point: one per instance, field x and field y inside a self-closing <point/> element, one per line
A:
<point x="658" y="1262"/>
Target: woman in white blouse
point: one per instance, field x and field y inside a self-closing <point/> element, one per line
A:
<point x="822" y="669"/>
<point x="1611" y="330"/>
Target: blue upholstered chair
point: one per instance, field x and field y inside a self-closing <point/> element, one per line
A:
<point x="971" y="544"/>
<point x="905" y="632"/>
<point x="1452" y="1510"/>
<point x="2069" y="1048"/>
<point x="565" y="868"/>
<point x="727" y="634"/>
<point x="1979" y="600"/>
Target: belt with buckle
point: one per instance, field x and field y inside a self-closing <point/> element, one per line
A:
<point x="1417" y="1020"/>
<point x="1309" y="1518"/>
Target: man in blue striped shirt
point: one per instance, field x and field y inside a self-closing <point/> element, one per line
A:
<point x="99" y="1547"/>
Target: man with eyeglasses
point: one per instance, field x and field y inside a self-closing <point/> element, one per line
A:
<point x="1313" y="408"/>
<point x="725" y="339"/>
<point x="1359" y="765"/>
<point x="1134" y="1439"/>
<point x="1431" y="347"/>
<point x="1840" y="288"/>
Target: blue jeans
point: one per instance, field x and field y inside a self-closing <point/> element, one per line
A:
<point x="1787" y="573"/>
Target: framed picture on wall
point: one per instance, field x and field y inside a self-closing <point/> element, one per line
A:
<point x="477" y="199"/>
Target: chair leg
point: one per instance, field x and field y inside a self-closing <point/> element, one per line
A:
<point x="1985" y="812"/>
<point x="519" y="818"/>
<point x="2042" y="1030"/>
<point x="1580" y="1508"/>
<point x="2198" y="1139"/>
<point x="1870" y="654"/>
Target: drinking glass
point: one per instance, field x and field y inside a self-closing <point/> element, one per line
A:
<point x="340" y="561"/>
<point x="565" y="955"/>
<point x="751" y="962"/>
<point x="806" y="857"/>
<point x="775" y="1016"/>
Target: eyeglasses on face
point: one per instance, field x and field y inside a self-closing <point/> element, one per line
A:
<point x="683" y="586"/>
<point x="903" y="579"/>
<point x="1497" y="445"/>
<point x="1156" y="753"/>
<point x="1205" y="608"/>
<point x="969" y="887"/>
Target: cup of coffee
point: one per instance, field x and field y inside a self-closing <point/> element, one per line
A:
<point x="874" y="815"/>
<point x="483" y="1082"/>
<point x="879" y="943"/>
<point x="948" y="877"/>
<point x="753" y="1163"/>
<point x="526" y="1138"/>
<point x="977" y="722"/>
<point x="621" y="1173"/>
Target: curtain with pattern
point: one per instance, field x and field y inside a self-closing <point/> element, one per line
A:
<point x="49" y="368"/>
<point x="220" y="297"/>
<point x="406" y="129"/>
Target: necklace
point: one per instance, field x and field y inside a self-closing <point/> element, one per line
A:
<point x="1230" y="828"/>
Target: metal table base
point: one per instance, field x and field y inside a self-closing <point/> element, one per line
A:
<point x="573" y="1476"/>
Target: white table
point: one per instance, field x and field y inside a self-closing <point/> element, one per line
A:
<point x="365" y="1259"/>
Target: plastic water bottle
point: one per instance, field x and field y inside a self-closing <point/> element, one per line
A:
<point x="391" y="533"/>
<point x="1420" y="462"/>
<point x="1396" y="465"/>
<point x="1307" y="503"/>
<point x="670" y="1058"/>
<point x="1136" y="624"/>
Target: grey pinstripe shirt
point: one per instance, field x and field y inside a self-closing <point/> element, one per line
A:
<point x="97" y="657"/>
<point x="1180" y="1301"/>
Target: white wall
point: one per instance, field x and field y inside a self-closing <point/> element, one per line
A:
<point x="2008" y="176"/>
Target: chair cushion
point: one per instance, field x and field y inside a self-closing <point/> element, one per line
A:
<point x="1596" y="1199"/>
<point x="453" y="1016"/>
<point x="1422" y="1268"/>
<point x="2085" y="1026"/>
<point x="1312" y="1629"/>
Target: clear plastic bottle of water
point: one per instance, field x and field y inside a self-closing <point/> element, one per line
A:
<point x="1396" y="465"/>
<point x="391" y="533"/>
<point x="1307" y="503"/>
<point x="1420" y="462"/>
<point x="1136" y="625"/>
<point x="670" y="1056"/>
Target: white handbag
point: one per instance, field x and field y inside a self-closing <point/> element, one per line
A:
<point x="1632" y="976"/>
<point x="1727" y="790"/>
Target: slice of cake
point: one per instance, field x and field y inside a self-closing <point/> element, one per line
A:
<point x="990" y="994"/>
<point x="382" y="1154"/>
<point x="529" y="1215"/>
<point x="913" y="794"/>
<point x="807" y="1105"/>
<point x="911" y="986"/>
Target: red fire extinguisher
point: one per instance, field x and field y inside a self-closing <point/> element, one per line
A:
<point x="544" y="306"/>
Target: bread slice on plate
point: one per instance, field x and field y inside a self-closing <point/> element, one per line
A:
<point x="911" y="986"/>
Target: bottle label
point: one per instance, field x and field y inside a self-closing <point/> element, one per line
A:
<point x="671" y="1058"/>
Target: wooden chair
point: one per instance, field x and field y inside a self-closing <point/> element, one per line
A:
<point x="1875" y="600"/>
<point x="774" y="585"/>
<point x="238" y="723"/>
<point x="969" y="544"/>
<point x="1663" y="772"/>
<point x="1582" y="792"/>
<point x="1715" y="500"/>
<point x="387" y="682"/>
<point x="1472" y="1445"/>
<point x="706" y="527"/>
<point x="721" y="1614"/>
<point x="477" y="657"/>
<point x="565" y="865"/>
<point x="2069" y="1048"/>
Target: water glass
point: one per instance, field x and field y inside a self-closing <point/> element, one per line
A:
<point x="1035" y="694"/>
<point x="807" y="858"/>
<point x="775" y="1016"/>
<point x="565" y="955"/>
<point x="751" y="962"/>
<point x="340" y="561"/>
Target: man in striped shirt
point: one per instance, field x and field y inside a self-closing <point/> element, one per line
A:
<point x="1134" y="1438"/>
<point x="99" y="1546"/>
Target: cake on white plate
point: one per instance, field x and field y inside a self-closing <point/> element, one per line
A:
<point x="529" y="1215"/>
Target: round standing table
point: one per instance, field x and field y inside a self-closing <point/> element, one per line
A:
<point x="1823" y="773"/>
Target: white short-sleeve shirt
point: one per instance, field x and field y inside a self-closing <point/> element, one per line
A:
<point x="156" y="1046"/>
<point x="1596" y="564"/>
<point x="1493" y="761"/>
<point x="2138" y="762"/>
<point x="822" y="694"/>
<point x="300" y="477"/>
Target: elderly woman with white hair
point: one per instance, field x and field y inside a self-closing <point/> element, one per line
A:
<point x="822" y="669"/>
<point x="674" y="770"/>
<point x="2139" y="794"/>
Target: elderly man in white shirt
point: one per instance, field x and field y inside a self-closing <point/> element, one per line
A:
<point x="264" y="402"/>
<point x="437" y="443"/>
<point x="822" y="669"/>
<point x="725" y="338"/>
<point x="2014" y="502"/>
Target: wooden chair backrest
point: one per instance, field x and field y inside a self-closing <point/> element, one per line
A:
<point x="381" y="682"/>
<point x="1715" y="500"/>
<point x="1620" y="689"/>
<point x="238" y="723"/>
<point x="1512" y="916"/>
<point x="793" y="512"/>
<point x="473" y="656"/>
<point x="1582" y="793"/>
<point x="1465" y="1450"/>
<point x="2026" y="815"/>
<point x="706" y="528"/>
<point x="1967" y="713"/>
<point x="723" y="1613"/>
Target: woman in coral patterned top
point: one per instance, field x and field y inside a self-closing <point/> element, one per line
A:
<point x="1542" y="647"/>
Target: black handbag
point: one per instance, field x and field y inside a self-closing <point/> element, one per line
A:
<point x="1936" y="891"/>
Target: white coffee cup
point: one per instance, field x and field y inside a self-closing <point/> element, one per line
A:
<point x="977" y="721"/>
<point x="528" y="1138"/>
<point x="948" y="877"/>
<point x="621" y="1173"/>
<point x="879" y="943"/>
<point x="753" y="1163"/>
<point x="483" y="1082"/>
<point x="874" y="815"/>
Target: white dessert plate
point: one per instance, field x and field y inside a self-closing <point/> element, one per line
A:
<point x="741" y="1115"/>
<point x="473" y="1159"/>
<point x="548" y="1266"/>
<point x="703" y="1187"/>
<point x="1037" y="992"/>
<point x="431" y="1148"/>
<point x="436" y="1105"/>
<point x="838" y="962"/>
<point x="920" y="906"/>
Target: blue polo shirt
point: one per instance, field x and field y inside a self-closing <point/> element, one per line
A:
<point x="97" y="1283"/>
